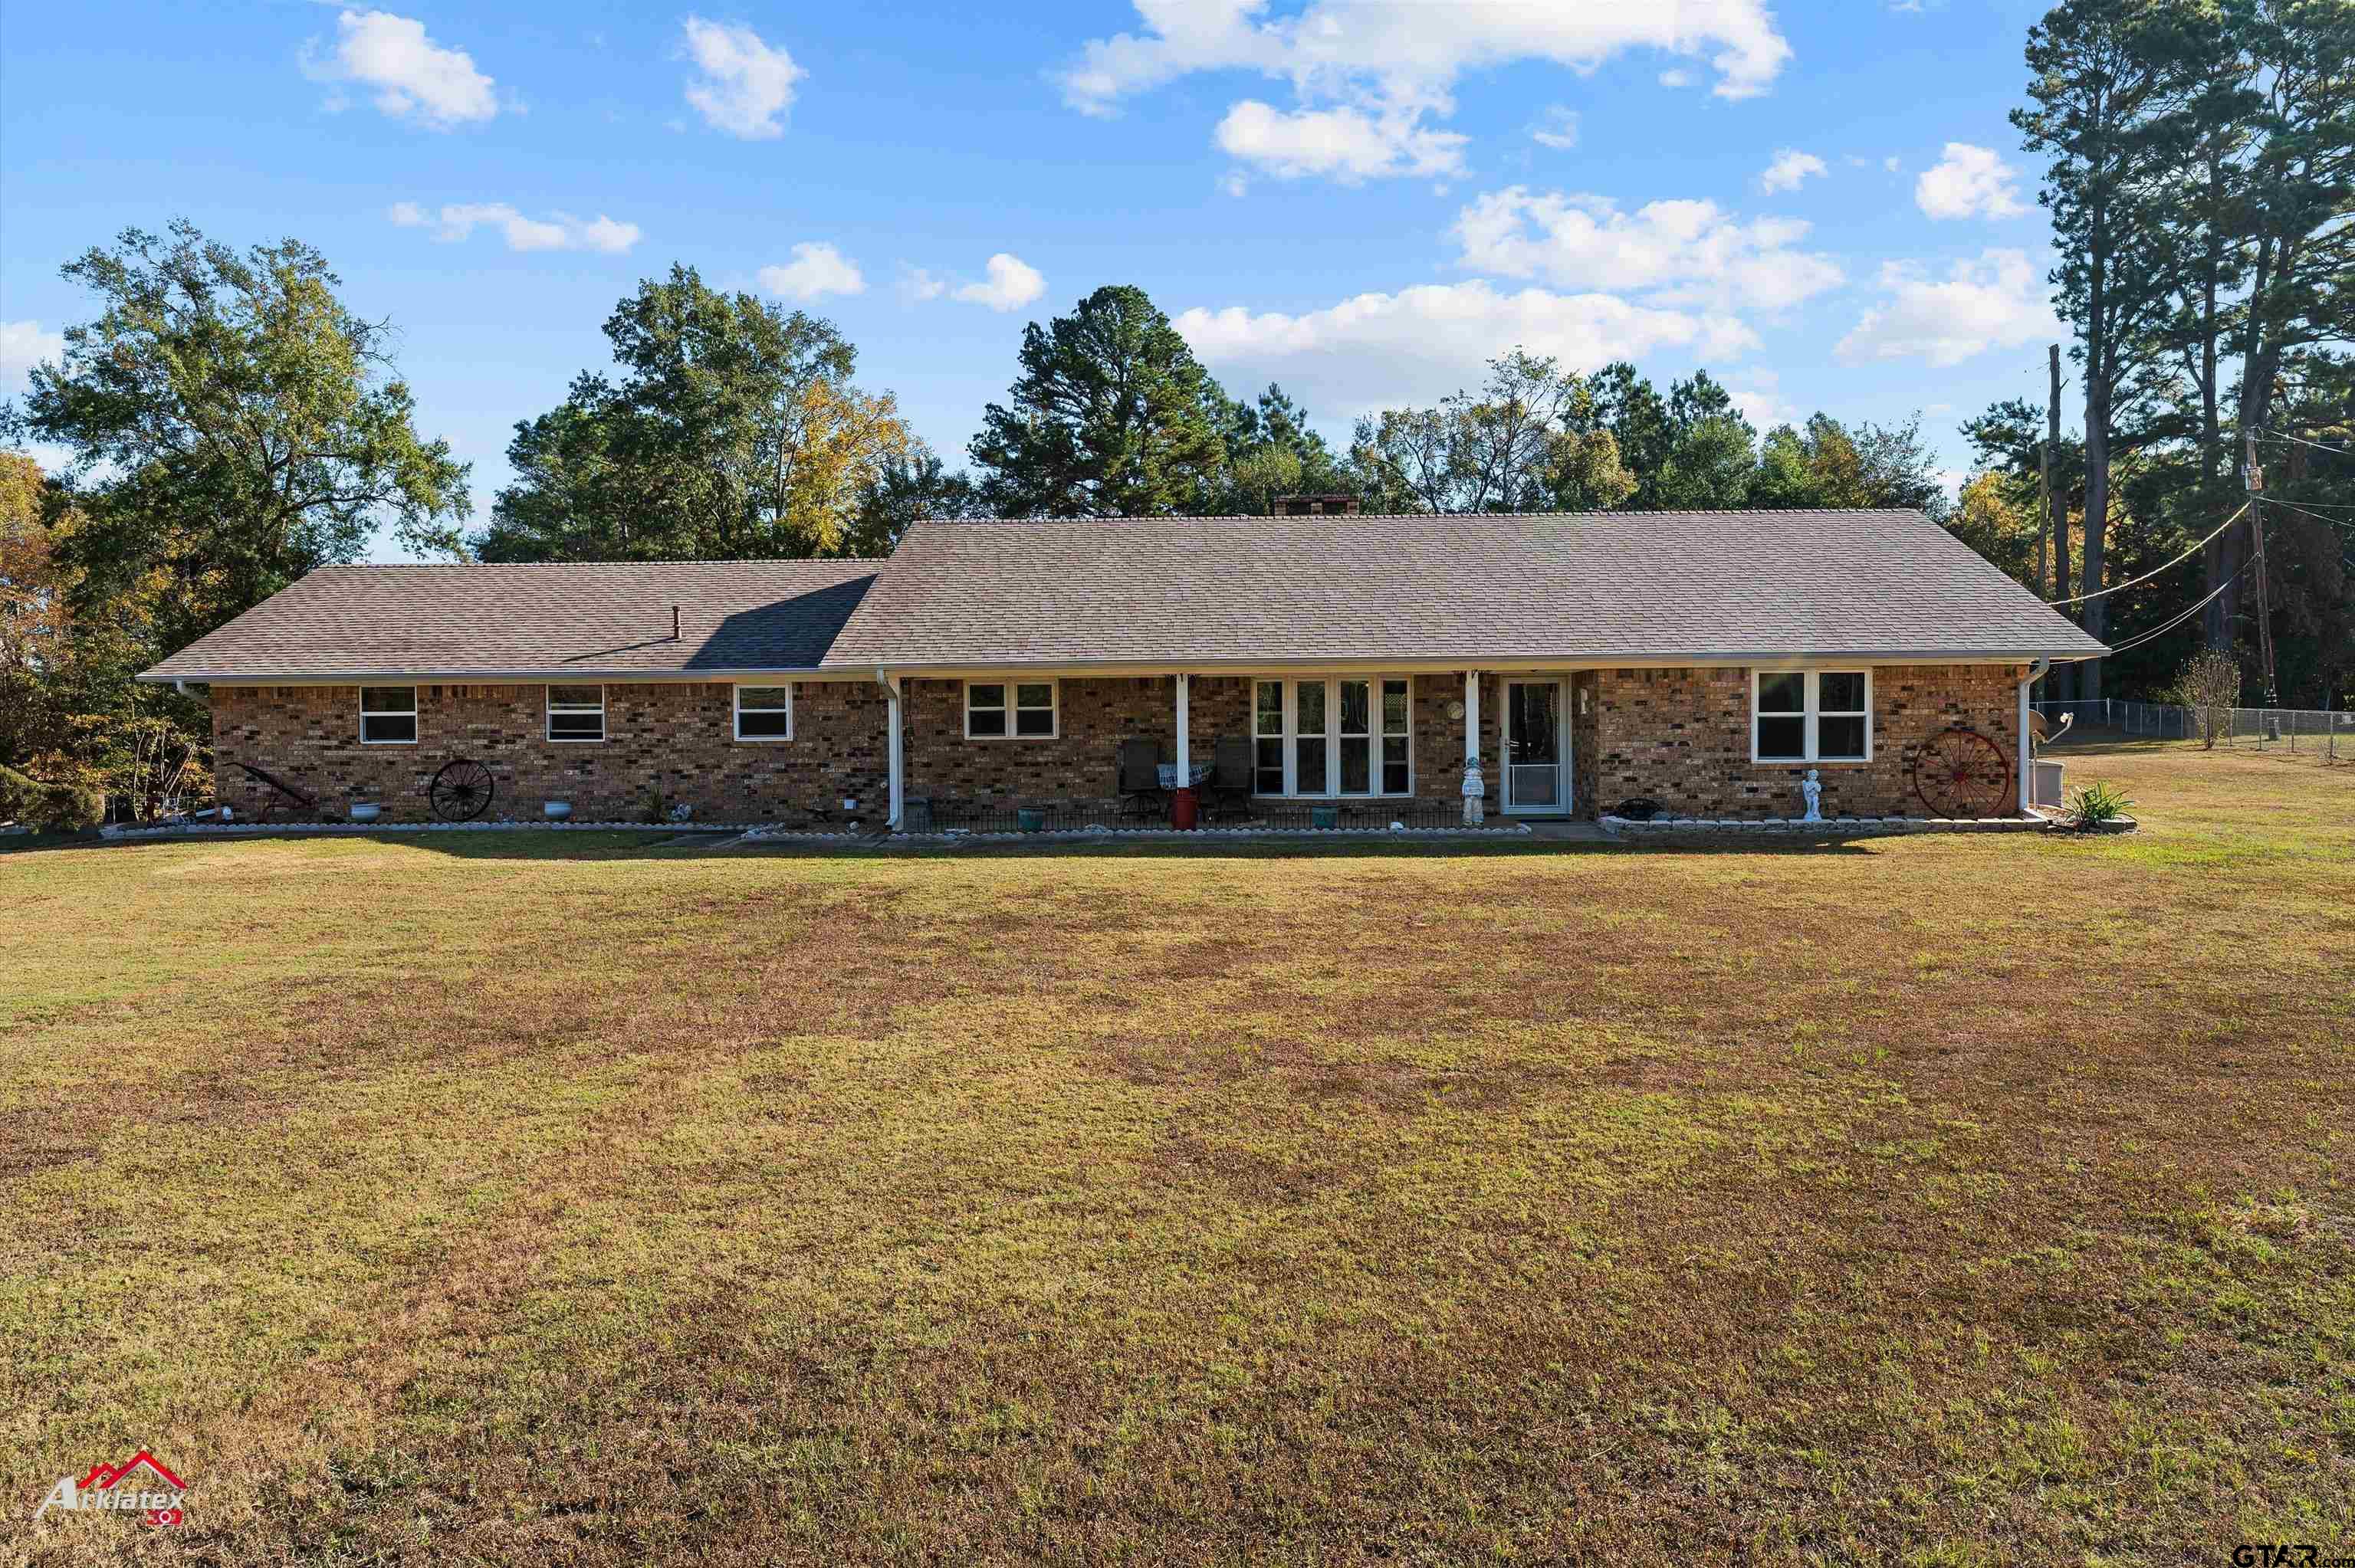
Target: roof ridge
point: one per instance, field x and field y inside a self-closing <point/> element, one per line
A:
<point x="716" y="561"/>
<point x="1445" y="516"/>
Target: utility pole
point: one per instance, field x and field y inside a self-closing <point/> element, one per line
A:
<point x="2257" y="537"/>
<point x="2056" y="524"/>
<point x="2044" y="498"/>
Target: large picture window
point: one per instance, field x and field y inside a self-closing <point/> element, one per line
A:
<point x="1023" y="710"/>
<point x="1811" y="716"/>
<point x="764" y="712"/>
<point x="1347" y="736"/>
<point x="388" y="715"/>
<point x="576" y="712"/>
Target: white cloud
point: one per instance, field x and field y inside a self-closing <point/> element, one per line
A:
<point x="1235" y="183"/>
<point x="1678" y="77"/>
<point x="1374" y="70"/>
<point x="1968" y="182"/>
<point x="916" y="284"/>
<point x="1790" y="170"/>
<point x="816" y="270"/>
<point x="1422" y="343"/>
<point x="414" y="77"/>
<point x="1556" y="128"/>
<point x="1681" y="252"/>
<point x="556" y="231"/>
<point x="23" y="344"/>
<point x="1010" y="284"/>
<point x="1889" y="162"/>
<point x="1347" y="143"/>
<point x="1996" y="301"/>
<point x="1758" y="394"/>
<point x="746" y="86"/>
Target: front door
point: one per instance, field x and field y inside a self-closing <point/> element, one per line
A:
<point x="1536" y="776"/>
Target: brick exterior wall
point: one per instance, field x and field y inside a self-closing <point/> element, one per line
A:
<point x="1682" y="737"/>
<point x="1080" y="764"/>
<point x="1678" y="736"/>
<point x="673" y="737"/>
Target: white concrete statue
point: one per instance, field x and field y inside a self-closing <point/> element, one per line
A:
<point x="1814" y="792"/>
<point x="1475" y="789"/>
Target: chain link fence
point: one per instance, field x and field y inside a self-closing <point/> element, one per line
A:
<point x="2327" y="735"/>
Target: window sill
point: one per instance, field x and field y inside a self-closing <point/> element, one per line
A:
<point x="1810" y="761"/>
<point x="1029" y="738"/>
<point x="762" y="739"/>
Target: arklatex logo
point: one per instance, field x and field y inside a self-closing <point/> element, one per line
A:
<point x="102" y="1490"/>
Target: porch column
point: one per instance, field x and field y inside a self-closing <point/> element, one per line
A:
<point x="891" y="750"/>
<point x="1475" y="786"/>
<point x="1185" y="752"/>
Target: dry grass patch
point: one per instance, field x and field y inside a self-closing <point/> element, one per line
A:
<point x="531" y="1197"/>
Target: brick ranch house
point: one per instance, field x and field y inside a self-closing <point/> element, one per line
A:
<point x="1704" y="661"/>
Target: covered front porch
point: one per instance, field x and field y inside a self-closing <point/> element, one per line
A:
<point x="1281" y="748"/>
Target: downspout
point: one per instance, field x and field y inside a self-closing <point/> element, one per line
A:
<point x="891" y="685"/>
<point x="2027" y="762"/>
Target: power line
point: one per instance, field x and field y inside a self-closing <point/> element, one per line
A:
<point x="2301" y="440"/>
<point x="2178" y="560"/>
<point x="2326" y="506"/>
<point x="2157" y="632"/>
<point x="2318" y="517"/>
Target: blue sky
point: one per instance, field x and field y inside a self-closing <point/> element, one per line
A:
<point x="1362" y="199"/>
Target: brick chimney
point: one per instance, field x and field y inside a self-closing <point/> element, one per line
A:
<point x="1316" y="506"/>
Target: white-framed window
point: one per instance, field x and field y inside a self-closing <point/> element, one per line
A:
<point x="576" y="712"/>
<point x="764" y="712"/>
<point x="1021" y="710"/>
<point x="1811" y="716"/>
<point x="1347" y="735"/>
<point x="388" y="715"/>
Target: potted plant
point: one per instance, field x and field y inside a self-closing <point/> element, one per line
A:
<point x="1324" y="816"/>
<point x="1029" y="819"/>
<point x="365" y="810"/>
<point x="557" y="811"/>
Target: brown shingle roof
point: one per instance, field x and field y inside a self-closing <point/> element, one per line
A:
<point x="534" y="621"/>
<point x="1531" y="586"/>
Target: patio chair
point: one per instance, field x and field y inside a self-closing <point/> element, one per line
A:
<point x="1141" y="793"/>
<point x="1229" y="790"/>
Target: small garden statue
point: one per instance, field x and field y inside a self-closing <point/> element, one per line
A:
<point x="1814" y="792"/>
<point x="1475" y="789"/>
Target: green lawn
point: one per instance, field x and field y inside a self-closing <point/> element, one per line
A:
<point x="535" y="1198"/>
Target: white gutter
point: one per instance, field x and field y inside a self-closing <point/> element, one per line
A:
<point x="891" y="685"/>
<point x="535" y="677"/>
<point x="1446" y="663"/>
<point x="2027" y="759"/>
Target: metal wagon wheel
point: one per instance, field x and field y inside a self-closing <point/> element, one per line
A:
<point x="462" y="791"/>
<point x="1962" y="773"/>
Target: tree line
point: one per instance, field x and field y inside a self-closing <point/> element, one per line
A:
<point x="2200" y="182"/>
